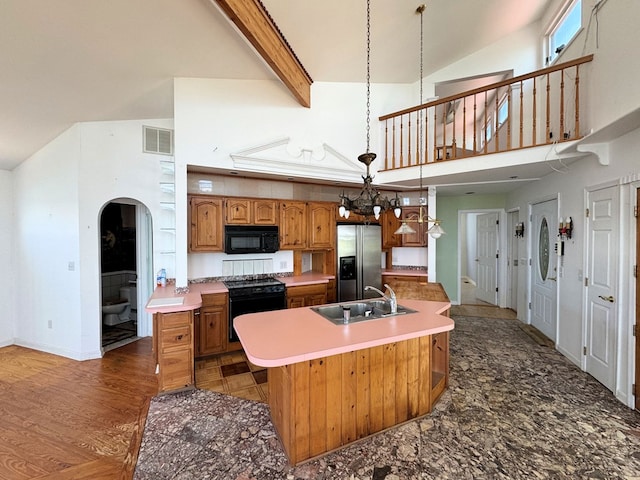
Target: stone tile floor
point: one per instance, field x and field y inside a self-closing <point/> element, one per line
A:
<point x="514" y="410"/>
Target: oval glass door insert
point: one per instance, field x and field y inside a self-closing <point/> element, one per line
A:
<point x="543" y="249"/>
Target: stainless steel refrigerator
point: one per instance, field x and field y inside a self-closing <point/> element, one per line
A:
<point x="359" y="261"/>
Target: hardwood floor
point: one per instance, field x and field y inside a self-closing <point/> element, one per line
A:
<point x="63" y="419"/>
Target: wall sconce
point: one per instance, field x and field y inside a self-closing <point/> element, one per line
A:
<point x="520" y="229"/>
<point x="565" y="227"/>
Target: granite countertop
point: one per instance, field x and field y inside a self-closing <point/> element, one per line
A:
<point x="300" y="334"/>
<point x="166" y="300"/>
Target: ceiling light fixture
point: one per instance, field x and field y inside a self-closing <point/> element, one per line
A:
<point x="436" y="231"/>
<point x="369" y="202"/>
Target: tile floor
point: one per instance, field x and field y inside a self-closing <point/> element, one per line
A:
<point x="232" y="374"/>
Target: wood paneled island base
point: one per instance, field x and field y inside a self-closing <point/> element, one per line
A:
<point x="322" y="404"/>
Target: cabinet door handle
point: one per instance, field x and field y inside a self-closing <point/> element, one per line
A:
<point x="179" y="337"/>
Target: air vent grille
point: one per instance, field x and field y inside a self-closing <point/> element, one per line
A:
<point x="158" y="140"/>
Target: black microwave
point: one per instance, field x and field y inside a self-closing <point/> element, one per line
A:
<point x="251" y="239"/>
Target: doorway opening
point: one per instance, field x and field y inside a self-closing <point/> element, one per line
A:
<point x="118" y="274"/>
<point x="124" y="260"/>
<point x="479" y="247"/>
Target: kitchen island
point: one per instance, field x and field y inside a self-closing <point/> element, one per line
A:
<point x="331" y="385"/>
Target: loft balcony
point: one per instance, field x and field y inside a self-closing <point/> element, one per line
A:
<point x="452" y="136"/>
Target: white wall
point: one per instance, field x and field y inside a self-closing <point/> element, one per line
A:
<point x="7" y="279"/>
<point x="570" y="189"/>
<point x="217" y="118"/>
<point x="47" y="300"/>
<point x="59" y="195"/>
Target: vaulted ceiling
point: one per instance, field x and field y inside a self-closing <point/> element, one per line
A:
<point x="68" y="61"/>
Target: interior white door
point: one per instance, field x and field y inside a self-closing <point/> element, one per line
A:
<point x="602" y="268"/>
<point x="544" y="267"/>
<point x="487" y="258"/>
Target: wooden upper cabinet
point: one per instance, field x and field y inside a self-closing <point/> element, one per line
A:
<point x="237" y="211"/>
<point x="206" y="225"/>
<point x="245" y="211"/>
<point x="321" y="225"/>
<point x="418" y="239"/>
<point x="265" y="212"/>
<point x="293" y="225"/>
<point x="389" y="225"/>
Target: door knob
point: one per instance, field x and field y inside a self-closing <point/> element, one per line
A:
<point x="552" y="278"/>
<point x="607" y="299"/>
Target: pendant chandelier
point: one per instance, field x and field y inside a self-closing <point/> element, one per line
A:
<point x="369" y="202"/>
<point x="423" y="218"/>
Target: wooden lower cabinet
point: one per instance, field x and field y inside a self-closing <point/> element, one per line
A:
<point x="307" y="295"/>
<point x="320" y="405"/>
<point x="174" y="347"/>
<point x="212" y="325"/>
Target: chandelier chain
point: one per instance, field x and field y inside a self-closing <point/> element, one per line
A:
<point x="368" y="73"/>
<point x="420" y="146"/>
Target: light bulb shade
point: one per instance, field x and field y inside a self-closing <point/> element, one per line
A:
<point x="341" y="210"/>
<point x="404" y="229"/>
<point x="347" y="213"/>
<point x="436" y="231"/>
<point x="376" y="211"/>
<point x="397" y="212"/>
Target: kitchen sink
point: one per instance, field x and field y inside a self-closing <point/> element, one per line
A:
<point x="359" y="311"/>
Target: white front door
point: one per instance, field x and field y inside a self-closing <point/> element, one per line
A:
<point x="602" y="274"/>
<point x="544" y="285"/>
<point x="487" y="252"/>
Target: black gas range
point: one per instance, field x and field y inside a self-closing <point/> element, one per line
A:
<point x="252" y="296"/>
<point x="254" y="287"/>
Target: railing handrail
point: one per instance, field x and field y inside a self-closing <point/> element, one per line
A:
<point x="493" y="86"/>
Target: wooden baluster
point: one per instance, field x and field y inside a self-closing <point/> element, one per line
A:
<point x="418" y="128"/>
<point x="386" y="144"/>
<point x="393" y="145"/>
<point x="496" y="134"/>
<point x="444" y="131"/>
<point x="409" y="142"/>
<point x="484" y="129"/>
<point x="464" y="126"/>
<point x="534" y="113"/>
<point x="548" y="131"/>
<point x="435" y="133"/>
<point x="576" y="132"/>
<point x="475" y="124"/>
<point x="561" y="134"/>
<point x="521" y="114"/>
<point x="509" y="117"/>
<point x="401" y="140"/>
<point x="426" y="139"/>
<point x="453" y="132"/>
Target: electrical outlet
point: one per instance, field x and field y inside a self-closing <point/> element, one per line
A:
<point x="72" y="266"/>
<point x="50" y="324"/>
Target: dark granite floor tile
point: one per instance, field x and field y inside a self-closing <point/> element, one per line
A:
<point x="514" y="410"/>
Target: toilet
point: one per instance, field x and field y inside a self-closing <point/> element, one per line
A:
<point x="113" y="312"/>
<point x="130" y="294"/>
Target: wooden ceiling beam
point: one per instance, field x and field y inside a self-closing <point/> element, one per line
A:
<point x="255" y="23"/>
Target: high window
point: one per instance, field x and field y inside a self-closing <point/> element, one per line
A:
<point x="564" y="29"/>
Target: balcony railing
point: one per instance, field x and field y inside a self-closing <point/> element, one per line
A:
<point x="539" y="108"/>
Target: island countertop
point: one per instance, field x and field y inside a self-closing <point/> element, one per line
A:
<point x="284" y="337"/>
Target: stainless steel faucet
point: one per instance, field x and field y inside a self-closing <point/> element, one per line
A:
<point x="393" y="302"/>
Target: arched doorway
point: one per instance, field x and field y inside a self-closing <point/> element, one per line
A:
<point x="125" y="263"/>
